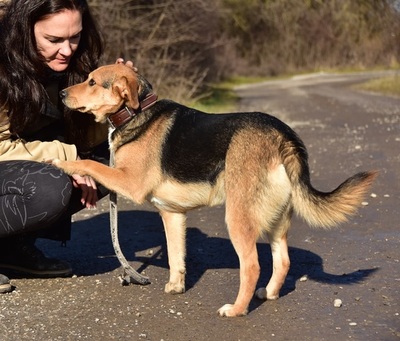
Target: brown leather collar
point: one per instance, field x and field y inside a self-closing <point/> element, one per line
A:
<point x="126" y="114"/>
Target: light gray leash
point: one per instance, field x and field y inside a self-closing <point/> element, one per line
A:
<point x="130" y="275"/>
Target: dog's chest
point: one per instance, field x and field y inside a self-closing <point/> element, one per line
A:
<point x="175" y="196"/>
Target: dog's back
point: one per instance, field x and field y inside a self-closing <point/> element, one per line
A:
<point x="207" y="137"/>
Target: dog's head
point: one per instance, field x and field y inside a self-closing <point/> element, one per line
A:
<point x="107" y="89"/>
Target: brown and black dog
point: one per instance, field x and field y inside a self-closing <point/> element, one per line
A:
<point x="179" y="159"/>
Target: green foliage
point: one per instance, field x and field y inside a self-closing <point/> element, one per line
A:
<point x="217" y="99"/>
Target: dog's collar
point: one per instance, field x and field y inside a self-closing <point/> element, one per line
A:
<point x="126" y="114"/>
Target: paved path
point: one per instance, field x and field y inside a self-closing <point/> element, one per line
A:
<point x="345" y="132"/>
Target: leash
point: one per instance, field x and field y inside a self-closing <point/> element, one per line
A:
<point x="130" y="275"/>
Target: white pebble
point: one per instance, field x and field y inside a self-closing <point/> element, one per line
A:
<point x="373" y="195"/>
<point x="337" y="303"/>
<point x="364" y="203"/>
<point x="303" y="278"/>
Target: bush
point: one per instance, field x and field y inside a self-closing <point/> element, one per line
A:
<point x="175" y="44"/>
<point x="181" y="45"/>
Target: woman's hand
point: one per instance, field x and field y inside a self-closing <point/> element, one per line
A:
<point x="89" y="189"/>
<point x="127" y="63"/>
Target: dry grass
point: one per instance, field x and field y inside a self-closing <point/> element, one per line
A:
<point x="387" y="85"/>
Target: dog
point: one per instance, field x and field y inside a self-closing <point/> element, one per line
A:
<point x="179" y="159"/>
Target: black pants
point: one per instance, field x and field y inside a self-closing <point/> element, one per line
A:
<point x="33" y="196"/>
<point x="38" y="200"/>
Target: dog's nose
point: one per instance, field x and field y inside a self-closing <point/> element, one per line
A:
<point x="63" y="94"/>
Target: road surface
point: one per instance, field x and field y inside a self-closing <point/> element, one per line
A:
<point x="346" y="131"/>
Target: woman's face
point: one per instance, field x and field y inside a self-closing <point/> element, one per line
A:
<point x="57" y="38"/>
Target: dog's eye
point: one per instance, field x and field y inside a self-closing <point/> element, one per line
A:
<point x="92" y="82"/>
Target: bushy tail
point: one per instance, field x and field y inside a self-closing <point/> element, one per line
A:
<point x="321" y="209"/>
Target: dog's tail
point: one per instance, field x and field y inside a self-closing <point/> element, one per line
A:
<point x="320" y="209"/>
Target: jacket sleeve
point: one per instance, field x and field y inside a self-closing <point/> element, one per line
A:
<point x="37" y="150"/>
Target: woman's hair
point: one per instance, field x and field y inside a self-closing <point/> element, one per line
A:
<point x="23" y="69"/>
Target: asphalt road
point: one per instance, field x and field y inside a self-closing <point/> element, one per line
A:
<point x="346" y="131"/>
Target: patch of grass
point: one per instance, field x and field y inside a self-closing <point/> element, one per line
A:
<point x="221" y="97"/>
<point x="238" y="80"/>
<point x="387" y="85"/>
<point x="217" y="99"/>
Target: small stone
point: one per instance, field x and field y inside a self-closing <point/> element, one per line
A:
<point x="337" y="303"/>
<point x="373" y="195"/>
<point x="303" y="278"/>
<point x="352" y="324"/>
<point x="364" y="203"/>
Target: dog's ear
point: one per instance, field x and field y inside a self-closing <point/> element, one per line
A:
<point x="128" y="90"/>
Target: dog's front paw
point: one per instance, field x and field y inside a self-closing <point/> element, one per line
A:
<point x="174" y="288"/>
<point x="229" y="310"/>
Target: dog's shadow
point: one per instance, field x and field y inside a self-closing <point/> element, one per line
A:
<point x="142" y="239"/>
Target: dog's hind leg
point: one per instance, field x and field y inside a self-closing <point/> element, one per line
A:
<point x="275" y="216"/>
<point x="175" y="232"/>
<point x="257" y="194"/>
<point x="277" y="210"/>
<point x="280" y="259"/>
<point x="243" y="234"/>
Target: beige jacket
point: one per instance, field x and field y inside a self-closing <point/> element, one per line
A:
<point x="11" y="149"/>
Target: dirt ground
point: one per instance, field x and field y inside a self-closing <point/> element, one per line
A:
<point x="346" y="131"/>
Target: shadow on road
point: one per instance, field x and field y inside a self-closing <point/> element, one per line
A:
<point x="142" y="239"/>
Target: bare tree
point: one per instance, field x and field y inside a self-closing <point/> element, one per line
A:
<point x="181" y="45"/>
<point x="173" y="43"/>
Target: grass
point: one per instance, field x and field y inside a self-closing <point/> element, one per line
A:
<point x="221" y="97"/>
<point x="217" y="99"/>
<point x="386" y="85"/>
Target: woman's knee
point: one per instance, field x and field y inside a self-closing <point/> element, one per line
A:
<point x="52" y="187"/>
<point x="34" y="194"/>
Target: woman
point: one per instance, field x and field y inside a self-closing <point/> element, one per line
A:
<point x="45" y="45"/>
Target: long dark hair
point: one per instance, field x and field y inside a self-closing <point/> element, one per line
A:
<point x="23" y="69"/>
